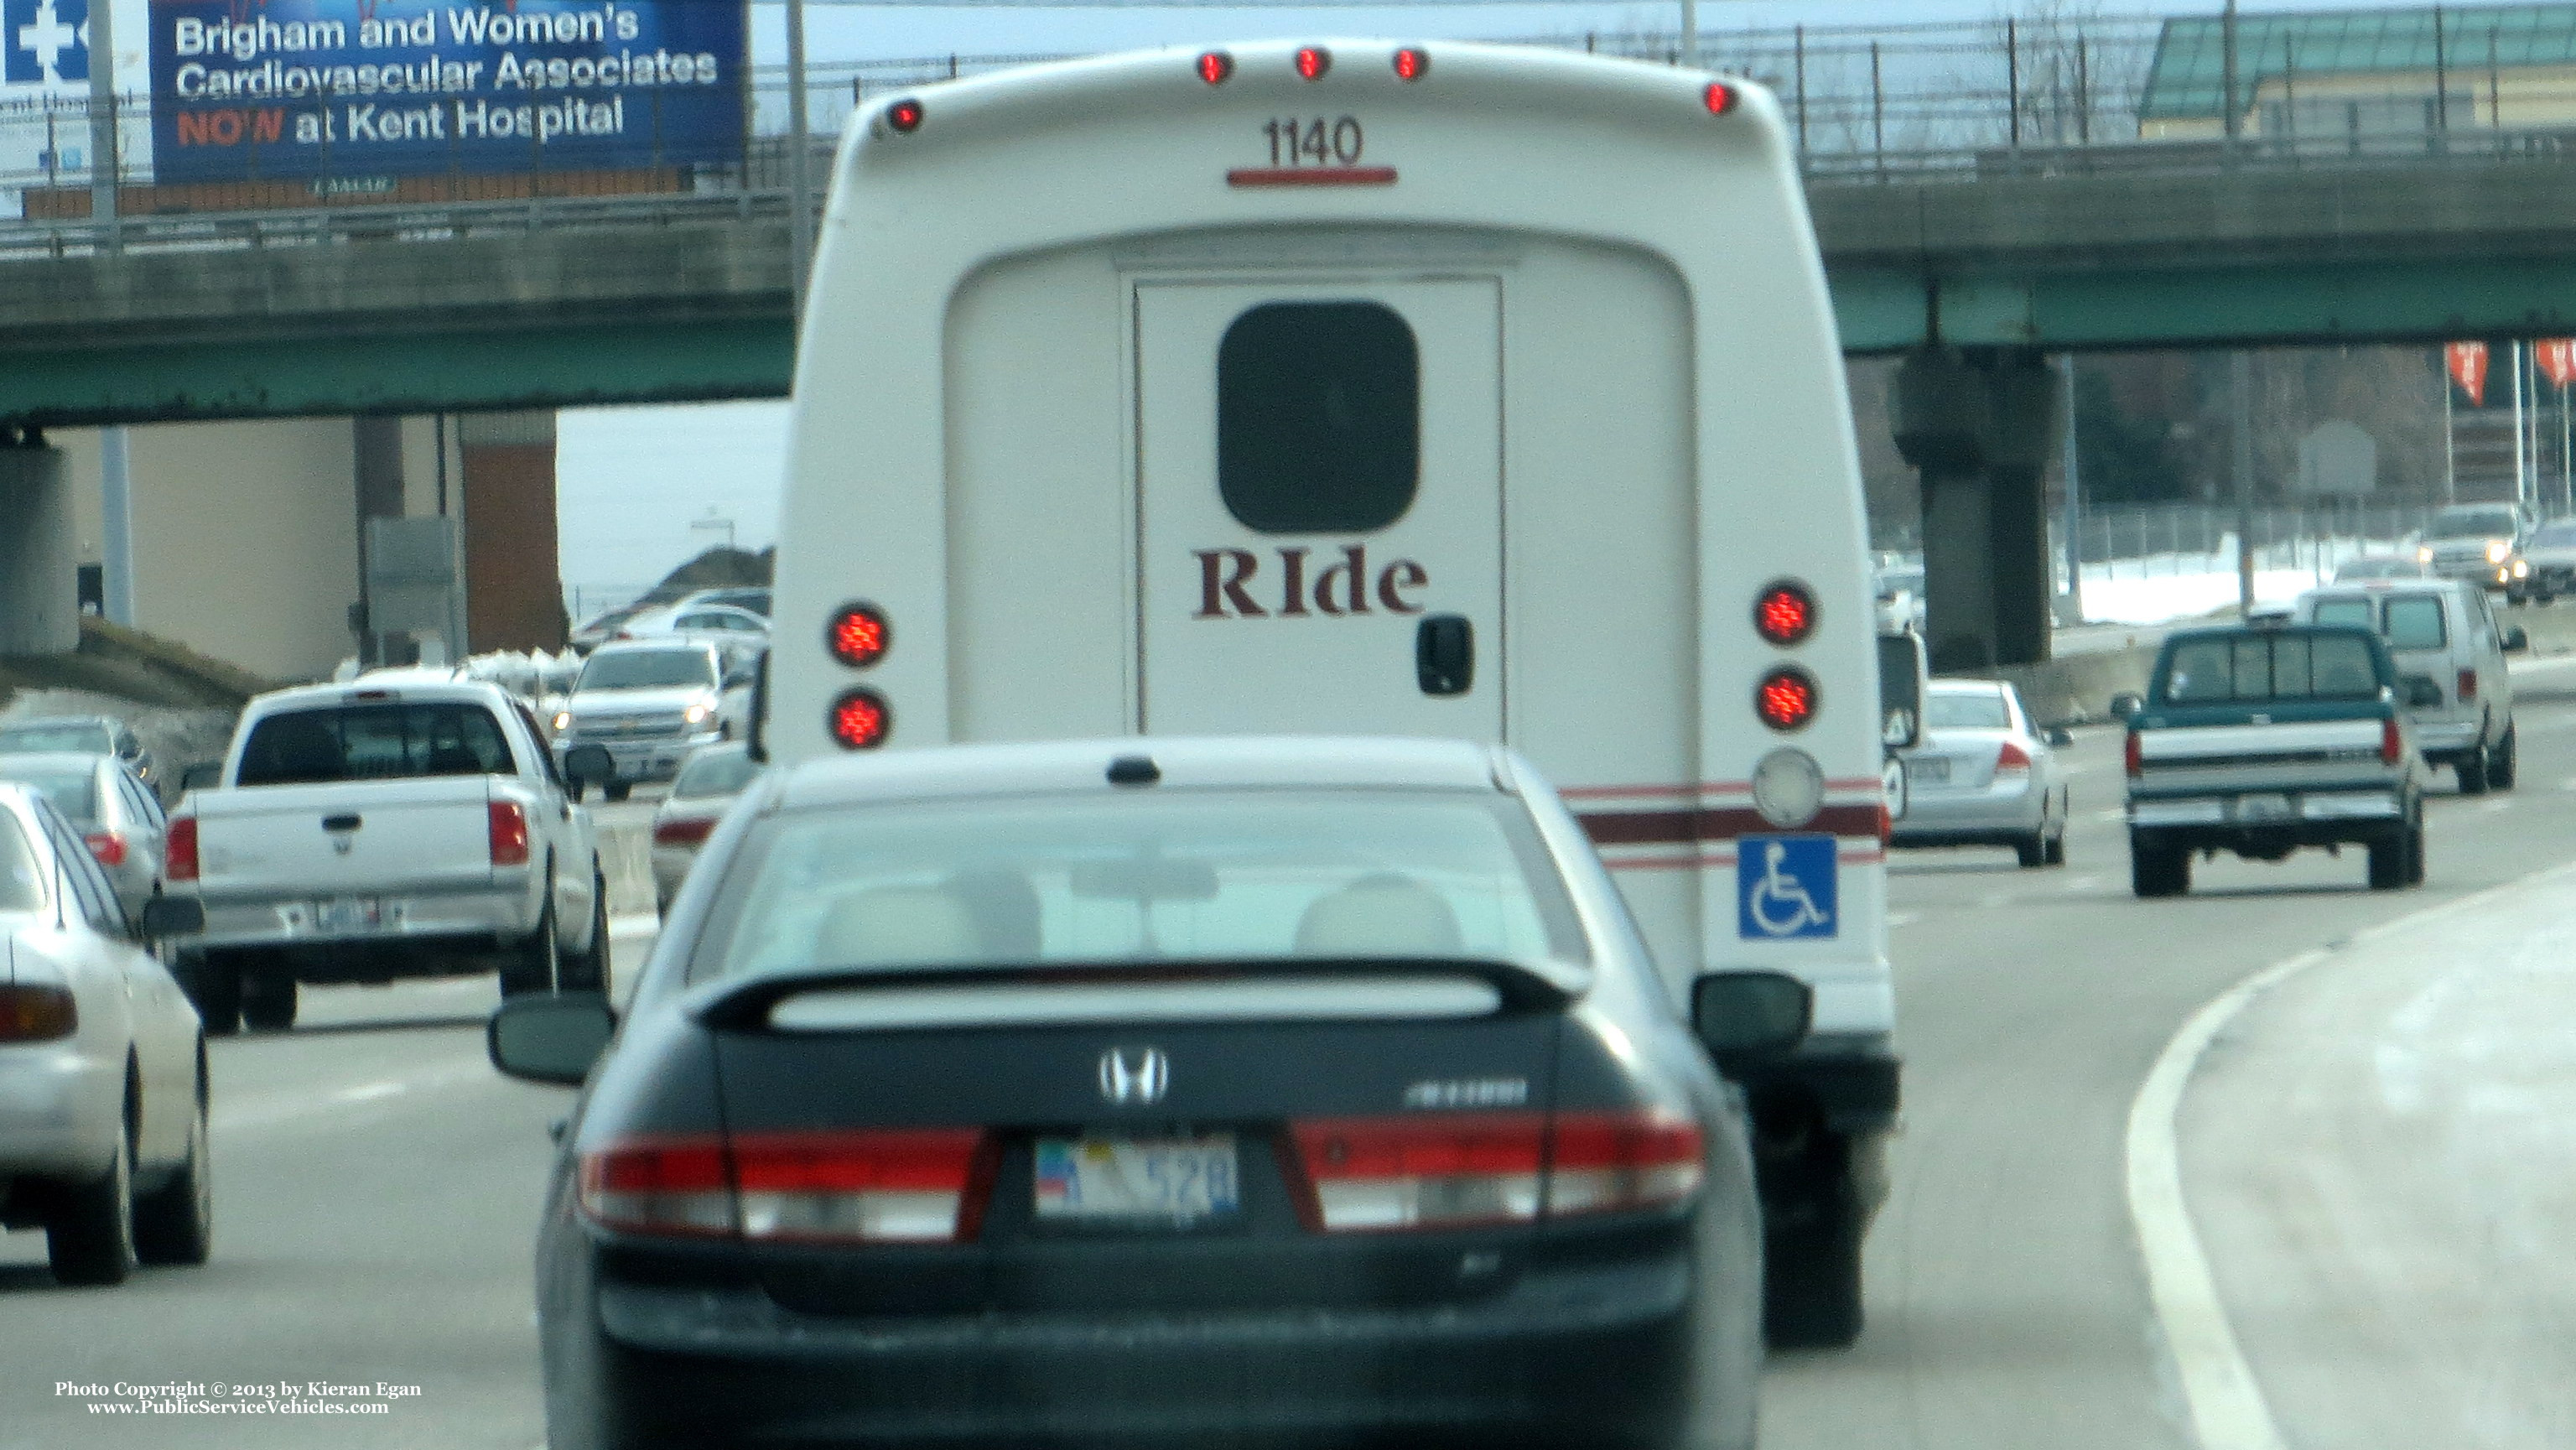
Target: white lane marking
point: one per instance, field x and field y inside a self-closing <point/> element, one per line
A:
<point x="2491" y="807"/>
<point x="1993" y="899"/>
<point x="1896" y="919"/>
<point x="2121" y="813"/>
<point x="366" y="1090"/>
<point x="268" y="1110"/>
<point x="2228" y="1411"/>
<point x="2082" y="883"/>
<point x="2568" y="784"/>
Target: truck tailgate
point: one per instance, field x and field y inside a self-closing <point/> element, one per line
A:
<point x="285" y="841"/>
<point x="2269" y="756"/>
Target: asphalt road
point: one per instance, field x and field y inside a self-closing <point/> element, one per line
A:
<point x="2373" y="1153"/>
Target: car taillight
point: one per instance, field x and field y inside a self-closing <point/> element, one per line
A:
<point x="1456" y="1170"/>
<point x="2131" y="757"/>
<point x="2468" y="686"/>
<point x="2012" y="760"/>
<point x="903" y="1185"/>
<point x="107" y="846"/>
<point x="673" y="1185"/>
<point x="682" y="832"/>
<point x="179" y="850"/>
<point x="2392" y="747"/>
<point x="1426" y="1171"/>
<point x="37" y="1013"/>
<point x="509" y="833"/>
<point x="1608" y="1162"/>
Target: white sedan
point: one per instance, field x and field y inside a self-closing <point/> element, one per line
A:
<point x="1984" y="775"/>
<point x="102" y="1064"/>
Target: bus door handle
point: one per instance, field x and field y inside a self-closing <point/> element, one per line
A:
<point x="1444" y="654"/>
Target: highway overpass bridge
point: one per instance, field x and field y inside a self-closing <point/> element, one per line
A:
<point x="1974" y="272"/>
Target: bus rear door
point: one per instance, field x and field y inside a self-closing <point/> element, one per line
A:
<point x="1320" y="506"/>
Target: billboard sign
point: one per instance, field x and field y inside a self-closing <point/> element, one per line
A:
<point x="44" y="42"/>
<point x="358" y="89"/>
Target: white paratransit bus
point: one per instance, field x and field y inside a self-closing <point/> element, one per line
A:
<point x="1351" y="388"/>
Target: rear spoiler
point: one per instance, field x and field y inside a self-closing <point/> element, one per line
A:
<point x="745" y="1006"/>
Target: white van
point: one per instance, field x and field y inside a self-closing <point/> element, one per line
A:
<point x="2450" y="650"/>
<point x="1352" y="388"/>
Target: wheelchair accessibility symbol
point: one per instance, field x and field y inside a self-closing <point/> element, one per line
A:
<point x="1784" y="887"/>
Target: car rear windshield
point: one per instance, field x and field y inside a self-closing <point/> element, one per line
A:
<point x="1171" y="877"/>
<point x="74" y="792"/>
<point x="1982" y="710"/>
<point x="40" y="739"/>
<point x="374" y="742"/>
<point x="19" y="879"/>
<point x="646" y="669"/>
<point x="2415" y="623"/>
<point x="2269" y="666"/>
<point x="715" y="772"/>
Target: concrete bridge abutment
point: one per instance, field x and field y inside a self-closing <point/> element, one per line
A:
<point x="1980" y="426"/>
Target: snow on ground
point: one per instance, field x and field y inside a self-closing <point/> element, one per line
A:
<point x="2167" y="587"/>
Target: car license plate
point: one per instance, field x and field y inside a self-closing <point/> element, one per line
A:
<point x="349" y="913"/>
<point x="1931" y="769"/>
<point x="1175" y="1180"/>
<point x="2263" y="808"/>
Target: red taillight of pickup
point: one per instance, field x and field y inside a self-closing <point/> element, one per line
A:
<point x="179" y="850"/>
<point x="682" y="832"/>
<point x="2133" y="757"/>
<point x="509" y="833"/>
<point x="2392" y="744"/>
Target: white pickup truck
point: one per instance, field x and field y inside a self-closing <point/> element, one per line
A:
<point x="383" y="829"/>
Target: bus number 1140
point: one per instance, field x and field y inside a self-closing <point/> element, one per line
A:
<point x="1316" y="142"/>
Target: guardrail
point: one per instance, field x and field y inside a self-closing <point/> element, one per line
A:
<point x="1966" y="102"/>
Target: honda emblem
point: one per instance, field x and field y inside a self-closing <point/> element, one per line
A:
<point x="1140" y="1076"/>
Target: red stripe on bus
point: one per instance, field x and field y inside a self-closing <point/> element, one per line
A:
<point x="1703" y="788"/>
<point x="1311" y="176"/>
<point x="1641" y="828"/>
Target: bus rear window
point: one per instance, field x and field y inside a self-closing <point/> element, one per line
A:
<point x="2269" y="666"/>
<point x="1318" y="417"/>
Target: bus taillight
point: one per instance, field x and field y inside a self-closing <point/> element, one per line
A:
<point x="1785" y="613"/>
<point x="1786" y="698"/>
<point x="859" y="635"/>
<point x="860" y="719"/>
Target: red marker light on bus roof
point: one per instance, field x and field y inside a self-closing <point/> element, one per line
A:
<point x="1785" y="613"/>
<point x="1720" y="98"/>
<point x="1786" y="698"/>
<point x="860" y="719"/>
<point x="1313" y="61"/>
<point x="1215" y="66"/>
<point x="1410" y="64"/>
<point x="859" y="635"/>
<point x="904" y="116"/>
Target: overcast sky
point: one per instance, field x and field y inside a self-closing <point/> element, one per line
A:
<point x="632" y="480"/>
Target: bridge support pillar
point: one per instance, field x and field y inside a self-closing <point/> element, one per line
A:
<point x="1979" y="427"/>
<point x="39" y="554"/>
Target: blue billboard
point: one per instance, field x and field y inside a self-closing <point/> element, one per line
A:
<point x="255" y="89"/>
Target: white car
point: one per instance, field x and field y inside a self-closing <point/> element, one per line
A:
<point x="649" y="704"/>
<point x="102" y="1065"/>
<point x="2551" y="554"/>
<point x="2450" y="649"/>
<point x="117" y="815"/>
<point x="1983" y="775"/>
<point x="705" y="789"/>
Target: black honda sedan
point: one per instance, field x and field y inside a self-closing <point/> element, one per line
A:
<point x="1200" y="1091"/>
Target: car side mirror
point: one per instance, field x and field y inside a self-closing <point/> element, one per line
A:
<point x="168" y="916"/>
<point x="200" y="775"/>
<point x="550" y="1039"/>
<point x="2515" y="640"/>
<point x="587" y="765"/>
<point x="2126" y="704"/>
<point x="1747" y="1014"/>
<point x="2058" y="735"/>
<point x="756" y="741"/>
<point x="2422" y="694"/>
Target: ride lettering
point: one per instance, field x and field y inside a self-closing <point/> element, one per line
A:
<point x="1227" y="585"/>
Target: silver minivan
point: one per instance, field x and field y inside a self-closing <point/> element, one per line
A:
<point x="2450" y="658"/>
